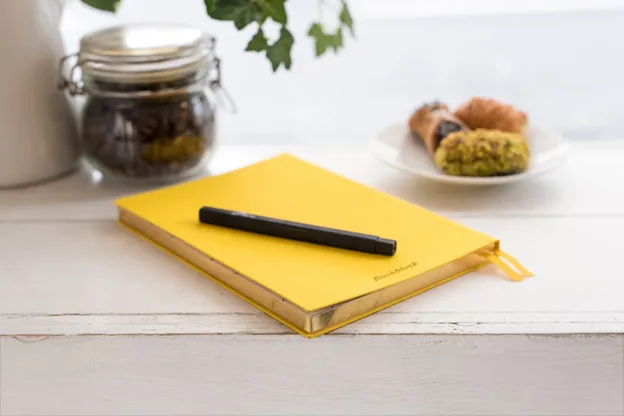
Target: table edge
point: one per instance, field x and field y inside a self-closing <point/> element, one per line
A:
<point x="382" y="323"/>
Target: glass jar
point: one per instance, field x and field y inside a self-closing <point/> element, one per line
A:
<point x="148" y="111"/>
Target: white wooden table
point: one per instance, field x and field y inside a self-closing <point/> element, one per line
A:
<point x="93" y="321"/>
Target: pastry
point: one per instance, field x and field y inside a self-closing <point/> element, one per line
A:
<point x="482" y="152"/>
<point x="433" y="122"/>
<point x="484" y="113"/>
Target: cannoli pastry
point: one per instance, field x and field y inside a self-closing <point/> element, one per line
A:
<point x="482" y="152"/>
<point x="483" y="113"/>
<point x="433" y="122"/>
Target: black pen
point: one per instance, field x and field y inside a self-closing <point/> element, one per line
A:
<point x="297" y="231"/>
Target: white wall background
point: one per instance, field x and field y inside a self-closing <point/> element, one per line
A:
<point x="561" y="60"/>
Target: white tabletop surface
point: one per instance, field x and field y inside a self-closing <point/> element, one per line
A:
<point x="67" y="267"/>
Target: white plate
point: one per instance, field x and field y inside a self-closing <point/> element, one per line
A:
<point x="399" y="149"/>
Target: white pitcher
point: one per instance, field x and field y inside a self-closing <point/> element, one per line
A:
<point x="38" y="136"/>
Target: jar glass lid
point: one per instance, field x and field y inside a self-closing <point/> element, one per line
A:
<point x="140" y="42"/>
<point x="145" y="53"/>
<point x="144" y="60"/>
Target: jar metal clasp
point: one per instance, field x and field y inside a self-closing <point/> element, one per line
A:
<point x="221" y="94"/>
<point x="69" y="82"/>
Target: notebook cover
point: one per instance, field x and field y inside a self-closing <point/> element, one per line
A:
<point x="308" y="275"/>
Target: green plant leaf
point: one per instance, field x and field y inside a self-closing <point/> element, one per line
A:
<point x="325" y="41"/>
<point x="227" y="9"/>
<point x="316" y="32"/>
<point x="279" y="52"/>
<point x="345" y="17"/>
<point x="244" y="12"/>
<point x="337" y="40"/>
<point x="210" y="6"/>
<point x="258" y="43"/>
<point x="105" y="5"/>
<point x="245" y="17"/>
<point x="275" y="9"/>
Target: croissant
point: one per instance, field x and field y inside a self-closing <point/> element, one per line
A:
<point x="483" y="113"/>
<point x="432" y="122"/>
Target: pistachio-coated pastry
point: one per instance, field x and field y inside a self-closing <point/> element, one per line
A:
<point x="482" y="152"/>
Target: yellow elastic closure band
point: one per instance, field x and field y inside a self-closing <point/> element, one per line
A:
<point x="511" y="273"/>
<point x="515" y="263"/>
<point x="509" y="265"/>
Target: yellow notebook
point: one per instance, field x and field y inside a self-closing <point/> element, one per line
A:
<point x="313" y="289"/>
